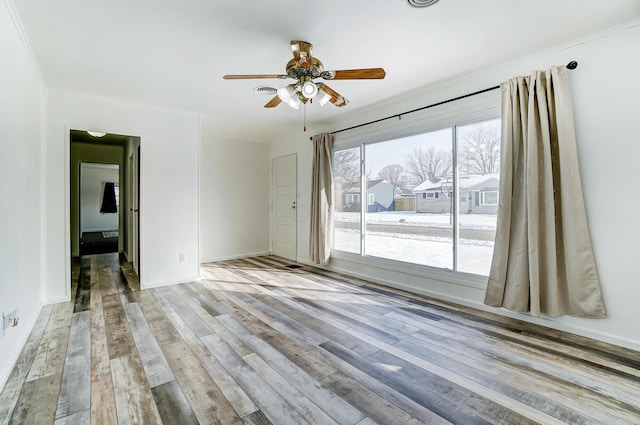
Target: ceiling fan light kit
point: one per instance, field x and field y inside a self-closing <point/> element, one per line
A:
<point x="309" y="89"/>
<point x="422" y="3"/>
<point x="304" y="68"/>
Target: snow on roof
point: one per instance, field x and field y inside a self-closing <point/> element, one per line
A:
<point x="428" y="185"/>
<point x="370" y="184"/>
<point x="480" y="182"/>
<point x="471" y="182"/>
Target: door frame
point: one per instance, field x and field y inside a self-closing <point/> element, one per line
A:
<point x="67" y="205"/>
<point x="133" y="203"/>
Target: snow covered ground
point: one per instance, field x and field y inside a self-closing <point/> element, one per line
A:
<point x="468" y="221"/>
<point x="474" y="256"/>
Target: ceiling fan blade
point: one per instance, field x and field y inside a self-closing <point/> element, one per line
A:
<point x="355" y="74"/>
<point x="336" y="98"/>
<point x="273" y="102"/>
<point x="248" y="77"/>
<point x="302" y="53"/>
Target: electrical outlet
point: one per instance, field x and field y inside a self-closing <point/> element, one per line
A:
<point x="181" y="257"/>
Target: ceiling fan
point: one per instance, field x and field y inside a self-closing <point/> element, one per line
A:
<point x="304" y="68"/>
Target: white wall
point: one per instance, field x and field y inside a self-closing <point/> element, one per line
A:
<point x="606" y="90"/>
<point x="169" y="141"/>
<point x="234" y="198"/>
<point x="92" y="182"/>
<point x="22" y="98"/>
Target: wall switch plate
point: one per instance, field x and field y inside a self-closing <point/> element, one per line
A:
<point x="181" y="257"/>
<point x="10" y="319"/>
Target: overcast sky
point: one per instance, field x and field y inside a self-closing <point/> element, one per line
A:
<point x="394" y="151"/>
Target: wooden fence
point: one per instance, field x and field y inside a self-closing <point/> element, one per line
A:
<point x="405" y="204"/>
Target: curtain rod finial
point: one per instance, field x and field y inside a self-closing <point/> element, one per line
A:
<point x="572" y="65"/>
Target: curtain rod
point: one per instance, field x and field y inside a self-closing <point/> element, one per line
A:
<point x="570" y="65"/>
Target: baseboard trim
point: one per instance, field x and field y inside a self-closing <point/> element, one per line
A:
<point x="169" y="282"/>
<point x="235" y="257"/>
<point x="56" y="300"/>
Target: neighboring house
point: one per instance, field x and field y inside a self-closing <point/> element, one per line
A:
<point x="478" y="195"/>
<point x="380" y="196"/>
<point x="430" y="197"/>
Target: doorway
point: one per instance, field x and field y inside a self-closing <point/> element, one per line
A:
<point x="99" y="206"/>
<point x="285" y="208"/>
<point x="101" y="154"/>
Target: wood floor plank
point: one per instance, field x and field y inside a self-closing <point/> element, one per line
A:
<point x="37" y="402"/>
<point x="83" y="290"/>
<point x="13" y="387"/>
<point x="50" y="357"/>
<point x="119" y="337"/>
<point x="298" y="312"/>
<point x="312" y="413"/>
<point x="134" y="401"/>
<point x="161" y="327"/>
<point x="194" y="322"/>
<point x="531" y="373"/>
<point x="75" y="388"/>
<point x="107" y="283"/>
<point x="428" y="399"/>
<point x="274" y="407"/>
<point x="103" y="403"/>
<point x="172" y="405"/>
<point x="241" y="403"/>
<point x="155" y="365"/>
<point x="256" y="418"/>
<point x="377" y="407"/>
<point x="210" y="406"/>
<point x="340" y="410"/>
<point x="452" y="394"/>
<point x="455" y="377"/>
<point x="256" y="305"/>
<point x="80" y="418"/>
<point x="285" y="341"/>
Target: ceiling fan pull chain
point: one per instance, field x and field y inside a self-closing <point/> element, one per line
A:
<point x="304" y="108"/>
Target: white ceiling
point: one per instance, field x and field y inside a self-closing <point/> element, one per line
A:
<point x="174" y="52"/>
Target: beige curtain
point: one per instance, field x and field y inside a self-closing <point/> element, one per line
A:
<point x="321" y="232"/>
<point x="543" y="260"/>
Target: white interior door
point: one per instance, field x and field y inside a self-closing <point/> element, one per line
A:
<point x="285" y="208"/>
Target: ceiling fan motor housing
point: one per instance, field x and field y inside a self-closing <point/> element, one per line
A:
<point x="298" y="72"/>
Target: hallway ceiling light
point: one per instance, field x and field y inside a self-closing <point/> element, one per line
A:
<point x="96" y="133"/>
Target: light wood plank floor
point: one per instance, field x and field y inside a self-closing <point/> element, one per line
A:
<point x="257" y="342"/>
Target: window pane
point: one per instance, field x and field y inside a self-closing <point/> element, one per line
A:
<point x="346" y="172"/>
<point x="478" y="167"/>
<point x="411" y="218"/>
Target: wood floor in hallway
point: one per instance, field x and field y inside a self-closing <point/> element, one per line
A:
<point x="257" y="342"/>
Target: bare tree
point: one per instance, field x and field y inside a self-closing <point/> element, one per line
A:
<point x="480" y="151"/>
<point x="394" y="174"/>
<point x="346" y="168"/>
<point x="427" y="164"/>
